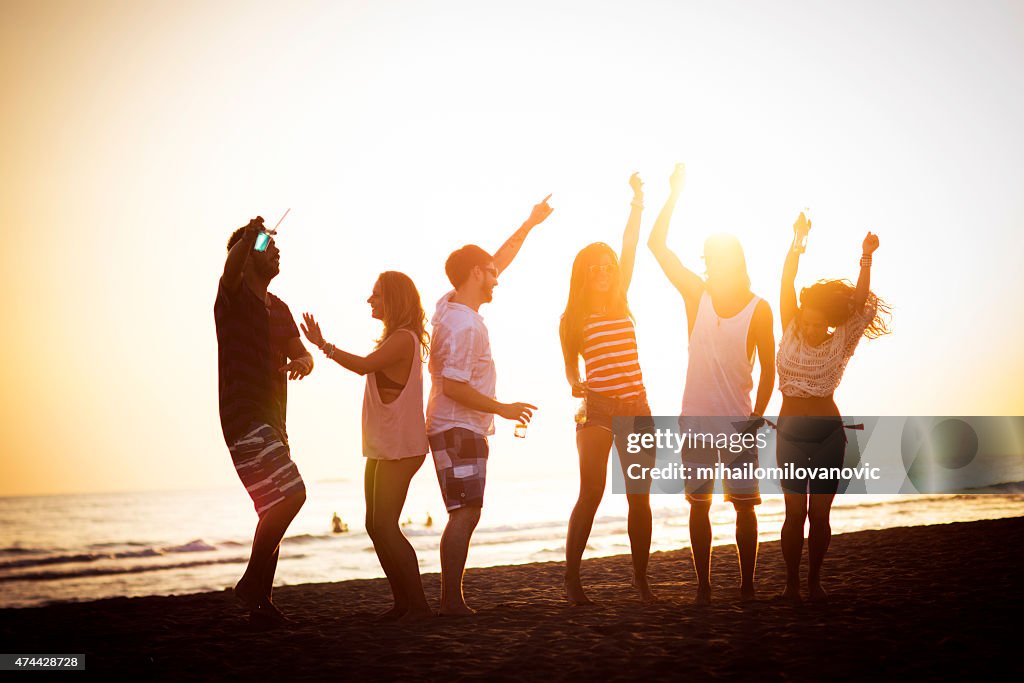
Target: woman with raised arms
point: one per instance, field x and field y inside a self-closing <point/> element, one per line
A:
<point x="819" y="336"/>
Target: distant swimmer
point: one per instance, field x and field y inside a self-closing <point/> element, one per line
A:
<point x="430" y="521"/>
<point x="337" y="525"/>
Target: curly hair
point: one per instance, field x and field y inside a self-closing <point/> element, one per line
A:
<point x="834" y="298"/>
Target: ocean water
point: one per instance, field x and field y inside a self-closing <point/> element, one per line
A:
<point x="84" y="547"/>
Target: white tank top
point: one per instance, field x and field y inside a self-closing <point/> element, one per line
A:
<point x="395" y="430"/>
<point x="719" y="376"/>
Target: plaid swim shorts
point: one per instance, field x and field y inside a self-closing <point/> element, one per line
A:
<point x="460" y="458"/>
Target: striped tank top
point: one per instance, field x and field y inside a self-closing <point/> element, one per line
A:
<point x="610" y="355"/>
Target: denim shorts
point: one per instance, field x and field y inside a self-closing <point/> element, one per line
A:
<point x="621" y="417"/>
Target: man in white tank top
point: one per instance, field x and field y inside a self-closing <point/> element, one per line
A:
<point x="726" y="324"/>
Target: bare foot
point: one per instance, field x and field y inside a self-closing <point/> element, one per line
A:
<point x="791" y="593"/>
<point x="413" y="616"/>
<point x="574" y="593"/>
<point x="644" y="588"/>
<point x="703" y="596"/>
<point x="457" y="610"/>
<point x="392" y="614"/>
<point x="267" y="617"/>
<point x="270" y="610"/>
<point x="747" y="593"/>
<point x="817" y="593"/>
<point x="248" y="594"/>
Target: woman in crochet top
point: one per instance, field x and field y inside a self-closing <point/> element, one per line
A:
<point x="810" y="365"/>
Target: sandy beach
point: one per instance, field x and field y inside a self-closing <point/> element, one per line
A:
<point x="928" y="602"/>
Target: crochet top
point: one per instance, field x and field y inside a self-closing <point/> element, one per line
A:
<point x="806" y="371"/>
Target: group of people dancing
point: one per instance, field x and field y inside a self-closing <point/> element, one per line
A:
<point x="260" y="349"/>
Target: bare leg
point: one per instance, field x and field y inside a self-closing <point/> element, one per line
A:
<point x="593" y="445"/>
<point x="390" y="490"/>
<point x="369" y="493"/>
<point x="639" y="526"/>
<point x="746" y="547"/>
<point x="454" y="550"/>
<point x="268" y="575"/>
<point x="700" y="547"/>
<point x="817" y="542"/>
<point x="251" y="588"/>
<point x="793" y="542"/>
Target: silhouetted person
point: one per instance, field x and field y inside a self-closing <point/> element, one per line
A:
<point x="598" y="325"/>
<point x="727" y="323"/>
<point x="462" y="404"/>
<point x="259" y="350"/>
<point x="811" y="362"/>
<point x="394" y="432"/>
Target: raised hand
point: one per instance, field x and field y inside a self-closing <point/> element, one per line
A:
<point x="870" y="244"/>
<point x="802" y="226"/>
<point x="311" y="329"/>
<point x="255" y="225"/>
<point x="521" y="412"/>
<point x="637" y="185"/>
<point x="540" y="212"/>
<point x="678" y="179"/>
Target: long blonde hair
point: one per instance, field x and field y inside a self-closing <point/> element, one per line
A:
<point x="402" y="309"/>
<point x="578" y="307"/>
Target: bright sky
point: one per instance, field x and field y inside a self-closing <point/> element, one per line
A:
<point x="137" y="135"/>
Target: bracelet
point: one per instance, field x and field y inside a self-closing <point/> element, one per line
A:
<point x="865" y="261"/>
<point x="637" y="203"/>
<point x="328" y="350"/>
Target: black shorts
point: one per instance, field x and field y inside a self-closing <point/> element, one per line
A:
<point x="811" y="443"/>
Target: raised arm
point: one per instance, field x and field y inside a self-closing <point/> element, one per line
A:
<point x="631" y="236"/>
<point x="864" y="280"/>
<point x="682" y="278"/>
<point x="787" y="297"/>
<point x="397" y="348"/>
<point x="234" y="265"/>
<point x="507" y="251"/>
<point x="763" y="327"/>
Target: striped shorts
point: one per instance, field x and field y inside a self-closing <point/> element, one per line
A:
<point x="264" y="464"/>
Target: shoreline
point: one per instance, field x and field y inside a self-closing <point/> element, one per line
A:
<point x="930" y="601"/>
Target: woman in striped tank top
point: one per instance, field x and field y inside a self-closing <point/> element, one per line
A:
<point x="597" y="325"/>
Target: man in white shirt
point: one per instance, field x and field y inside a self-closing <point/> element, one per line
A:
<point x="462" y="404"/>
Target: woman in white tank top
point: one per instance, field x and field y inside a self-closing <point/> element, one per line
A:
<point x="394" y="433"/>
<point x="810" y="364"/>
